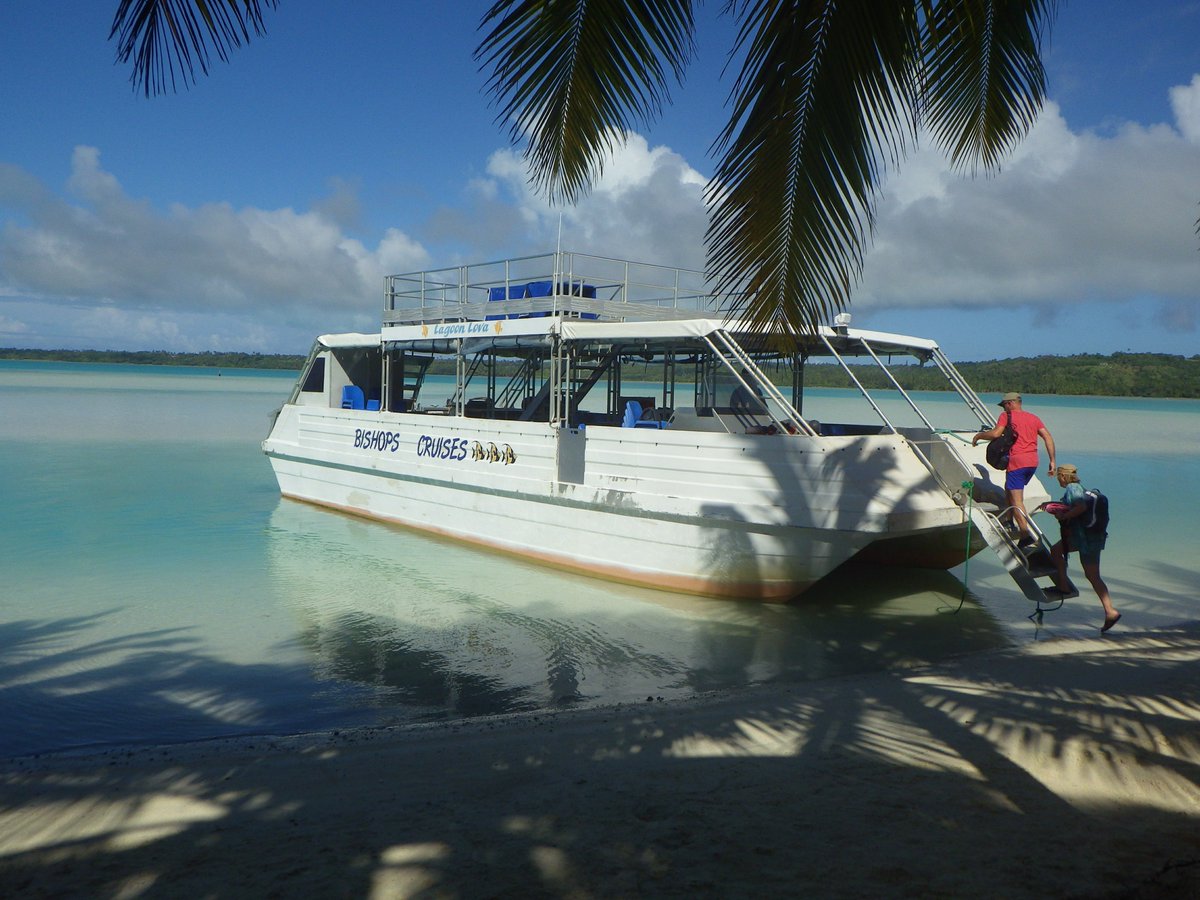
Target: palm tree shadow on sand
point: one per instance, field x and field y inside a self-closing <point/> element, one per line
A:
<point x="755" y="791"/>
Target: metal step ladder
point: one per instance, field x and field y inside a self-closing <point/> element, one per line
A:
<point x="521" y="385"/>
<point x="583" y="376"/>
<point x="409" y="376"/>
<point x="1024" y="564"/>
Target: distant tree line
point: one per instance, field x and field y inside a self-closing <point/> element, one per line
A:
<point x="1116" y="375"/>
<point x="209" y="359"/>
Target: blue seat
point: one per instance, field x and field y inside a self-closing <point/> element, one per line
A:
<point x="373" y="403"/>
<point x="539" y="289"/>
<point x="633" y="417"/>
<point x="579" y="289"/>
<point x="514" y="292"/>
<point x="496" y="293"/>
<point x="352" y="397"/>
<point x="633" y="412"/>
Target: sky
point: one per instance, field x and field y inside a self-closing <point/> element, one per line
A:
<point x="264" y="204"/>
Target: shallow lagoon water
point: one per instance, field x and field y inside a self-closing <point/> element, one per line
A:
<point x="157" y="588"/>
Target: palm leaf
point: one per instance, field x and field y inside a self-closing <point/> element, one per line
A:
<point x="822" y="102"/>
<point x="984" y="80"/>
<point x="168" y="36"/>
<point x="573" y="76"/>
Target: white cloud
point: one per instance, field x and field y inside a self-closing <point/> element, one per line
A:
<point x="11" y="327"/>
<point x="1070" y="218"/>
<point x="648" y="205"/>
<point x="1185" y="103"/>
<point x="110" y="247"/>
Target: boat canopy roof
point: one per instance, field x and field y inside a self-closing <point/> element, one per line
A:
<point x="847" y="341"/>
<point x="350" y="339"/>
<point x="514" y="334"/>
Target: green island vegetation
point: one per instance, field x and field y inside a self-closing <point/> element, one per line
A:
<point x="1115" y="375"/>
<point x="209" y="359"/>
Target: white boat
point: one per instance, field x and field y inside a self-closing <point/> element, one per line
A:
<point x="609" y="417"/>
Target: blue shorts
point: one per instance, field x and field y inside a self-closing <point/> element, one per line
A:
<point x="1016" y="479"/>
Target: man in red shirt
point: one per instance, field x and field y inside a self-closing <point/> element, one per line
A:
<point x="1022" y="459"/>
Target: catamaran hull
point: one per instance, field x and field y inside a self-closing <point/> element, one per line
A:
<point x="725" y="515"/>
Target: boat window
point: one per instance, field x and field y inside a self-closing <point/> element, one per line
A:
<point x="362" y="367"/>
<point x="314" y="382"/>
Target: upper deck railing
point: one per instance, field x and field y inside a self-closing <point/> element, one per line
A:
<point x="560" y="283"/>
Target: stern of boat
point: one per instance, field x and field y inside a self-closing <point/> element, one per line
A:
<point x="944" y="536"/>
<point x="963" y="474"/>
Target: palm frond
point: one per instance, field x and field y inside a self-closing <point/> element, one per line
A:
<point x="168" y="36"/>
<point x="984" y="79"/>
<point x="822" y="103"/>
<point x="573" y="76"/>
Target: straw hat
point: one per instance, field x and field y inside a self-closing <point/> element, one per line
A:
<point x="1011" y="395"/>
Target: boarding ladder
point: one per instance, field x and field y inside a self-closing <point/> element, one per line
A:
<point x="1024" y="564"/>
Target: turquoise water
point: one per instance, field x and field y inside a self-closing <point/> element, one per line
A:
<point x="157" y="589"/>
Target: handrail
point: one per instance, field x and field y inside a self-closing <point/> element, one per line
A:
<point x="296" y="388"/>
<point x="858" y="384"/>
<point x="895" y="383"/>
<point x="768" y="386"/>
<point x="467" y="290"/>
<point x="961" y="386"/>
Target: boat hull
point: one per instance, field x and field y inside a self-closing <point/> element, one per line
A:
<point x="744" y="516"/>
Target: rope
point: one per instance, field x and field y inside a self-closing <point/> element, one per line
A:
<point x="952" y="433"/>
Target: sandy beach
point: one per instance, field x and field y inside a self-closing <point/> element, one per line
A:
<point x="1066" y="768"/>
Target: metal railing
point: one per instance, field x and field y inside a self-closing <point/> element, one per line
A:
<point x="562" y="282"/>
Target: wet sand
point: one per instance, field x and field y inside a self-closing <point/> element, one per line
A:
<point x="1066" y="768"/>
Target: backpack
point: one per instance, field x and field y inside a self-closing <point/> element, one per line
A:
<point x="998" y="450"/>
<point x="1095" y="520"/>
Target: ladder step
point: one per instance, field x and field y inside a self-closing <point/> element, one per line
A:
<point x="1013" y="558"/>
<point x="1037" y="557"/>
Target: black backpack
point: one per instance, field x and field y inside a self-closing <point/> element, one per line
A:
<point x="998" y="450"/>
<point x="1095" y="520"/>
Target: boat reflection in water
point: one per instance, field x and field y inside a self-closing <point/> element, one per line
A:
<point x="418" y="628"/>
